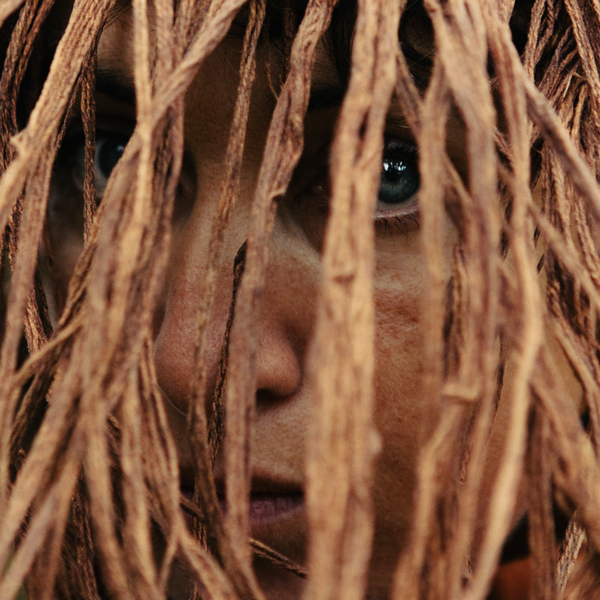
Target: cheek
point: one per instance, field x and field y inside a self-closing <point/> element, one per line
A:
<point x="400" y="412"/>
<point x="63" y="242"/>
<point x="398" y="351"/>
<point x="399" y="416"/>
<point x="176" y="318"/>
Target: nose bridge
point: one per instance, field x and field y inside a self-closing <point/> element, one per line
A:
<point x="184" y="292"/>
<point x="284" y="322"/>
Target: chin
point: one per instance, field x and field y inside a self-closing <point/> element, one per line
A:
<point x="276" y="583"/>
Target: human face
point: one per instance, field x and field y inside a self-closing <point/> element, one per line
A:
<point x="287" y="312"/>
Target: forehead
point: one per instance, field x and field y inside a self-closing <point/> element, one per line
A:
<point x="116" y="51"/>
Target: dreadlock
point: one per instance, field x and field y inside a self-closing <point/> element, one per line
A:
<point x="88" y="466"/>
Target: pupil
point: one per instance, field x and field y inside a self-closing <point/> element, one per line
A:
<point x="399" y="180"/>
<point x="109" y="154"/>
<point x="393" y="170"/>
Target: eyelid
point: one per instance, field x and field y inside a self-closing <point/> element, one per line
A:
<point x="396" y="122"/>
<point x="318" y="170"/>
<point x="406" y="215"/>
<point x="393" y="143"/>
<point x="411" y="206"/>
<point x="105" y="124"/>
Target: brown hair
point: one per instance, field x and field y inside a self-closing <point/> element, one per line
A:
<point x="83" y="399"/>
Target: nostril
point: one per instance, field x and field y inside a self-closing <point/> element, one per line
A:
<point x="278" y="371"/>
<point x="266" y="398"/>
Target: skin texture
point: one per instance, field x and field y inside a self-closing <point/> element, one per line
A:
<point x="289" y="301"/>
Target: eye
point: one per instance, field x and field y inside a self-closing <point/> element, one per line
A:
<point x="399" y="181"/>
<point x="108" y="152"/>
<point x="397" y="206"/>
<point x="109" y="149"/>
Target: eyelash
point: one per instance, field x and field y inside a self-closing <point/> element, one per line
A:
<point x="107" y="129"/>
<point x="403" y="224"/>
<point x="396" y="152"/>
<point x="406" y="151"/>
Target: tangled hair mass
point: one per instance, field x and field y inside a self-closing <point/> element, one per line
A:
<point x="89" y="474"/>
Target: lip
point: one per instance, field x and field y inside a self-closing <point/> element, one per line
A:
<point x="271" y="501"/>
<point x="267" y="509"/>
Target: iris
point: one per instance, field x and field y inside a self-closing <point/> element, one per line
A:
<point x="399" y="179"/>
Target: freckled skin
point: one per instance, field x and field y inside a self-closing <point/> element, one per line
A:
<point x="287" y="312"/>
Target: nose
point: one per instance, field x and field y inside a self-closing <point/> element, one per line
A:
<point x="278" y="374"/>
<point x="283" y="327"/>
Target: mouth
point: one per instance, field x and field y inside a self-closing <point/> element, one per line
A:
<point x="271" y="502"/>
<point x="270" y="508"/>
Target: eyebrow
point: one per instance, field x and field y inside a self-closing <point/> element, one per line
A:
<point x="329" y="97"/>
<point x="115" y="86"/>
<point x="326" y="97"/>
<point x="322" y="97"/>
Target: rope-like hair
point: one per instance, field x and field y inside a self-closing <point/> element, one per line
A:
<point x="88" y="466"/>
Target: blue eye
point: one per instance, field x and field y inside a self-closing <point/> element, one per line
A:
<point x="109" y="149"/>
<point x="399" y="182"/>
<point x="108" y="152"/>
